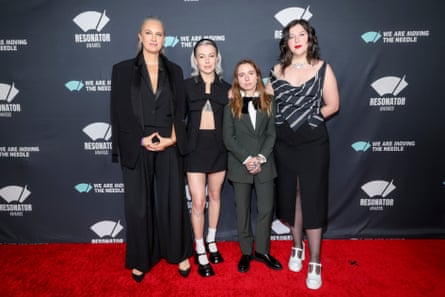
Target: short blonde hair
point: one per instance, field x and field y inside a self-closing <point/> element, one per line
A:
<point x="195" y="70"/>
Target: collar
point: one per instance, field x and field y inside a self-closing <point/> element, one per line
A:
<point x="198" y="79"/>
<point x="255" y="95"/>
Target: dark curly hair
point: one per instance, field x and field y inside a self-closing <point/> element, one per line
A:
<point x="313" y="52"/>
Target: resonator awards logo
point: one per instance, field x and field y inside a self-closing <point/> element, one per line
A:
<point x="100" y="133"/>
<point x="285" y="16"/>
<point x="8" y="92"/>
<point x="378" y="192"/>
<point x="388" y="88"/>
<point x="15" y="197"/>
<point x="107" y="231"/>
<point x="92" y="21"/>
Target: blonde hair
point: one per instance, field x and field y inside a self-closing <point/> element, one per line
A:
<point x="150" y="18"/>
<point x="195" y="70"/>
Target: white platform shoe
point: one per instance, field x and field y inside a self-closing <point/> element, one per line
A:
<point x="313" y="280"/>
<point x="296" y="259"/>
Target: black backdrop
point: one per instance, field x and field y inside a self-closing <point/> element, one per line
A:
<point x="57" y="183"/>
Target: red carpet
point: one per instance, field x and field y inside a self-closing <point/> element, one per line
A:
<point x="350" y="268"/>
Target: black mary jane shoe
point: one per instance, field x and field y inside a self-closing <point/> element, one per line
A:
<point x="214" y="257"/>
<point x="244" y="263"/>
<point x="138" y="278"/>
<point x="270" y="261"/>
<point x="204" y="270"/>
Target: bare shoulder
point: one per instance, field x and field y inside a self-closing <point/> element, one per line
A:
<point x="277" y="69"/>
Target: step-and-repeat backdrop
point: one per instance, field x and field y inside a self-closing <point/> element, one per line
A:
<point x="57" y="182"/>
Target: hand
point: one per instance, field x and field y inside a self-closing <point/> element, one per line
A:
<point x="256" y="169"/>
<point x="253" y="165"/>
<point x="230" y="94"/>
<point x="156" y="143"/>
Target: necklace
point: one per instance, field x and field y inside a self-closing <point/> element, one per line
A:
<point x="299" y="65"/>
<point x="151" y="63"/>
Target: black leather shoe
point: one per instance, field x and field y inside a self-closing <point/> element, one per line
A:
<point x="270" y="261"/>
<point x="184" y="273"/>
<point x="244" y="263"/>
<point x="214" y="257"/>
<point x="138" y="278"/>
<point x="204" y="270"/>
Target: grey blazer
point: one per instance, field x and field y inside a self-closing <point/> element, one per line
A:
<point x="241" y="141"/>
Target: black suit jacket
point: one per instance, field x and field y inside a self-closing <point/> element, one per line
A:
<point x="126" y="109"/>
<point x="195" y="100"/>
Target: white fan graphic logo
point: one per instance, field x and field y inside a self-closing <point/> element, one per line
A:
<point x="107" y="228"/>
<point x="91" y="20"/>
<point x="8" y="92"/>
<point x="389" y="85"/>
<point x="98" y="131"/>
<point x="287" y="15"/>
<point x="378" y="188"/>
<point x="14" y="193"/>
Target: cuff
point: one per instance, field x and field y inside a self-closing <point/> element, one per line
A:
<point x="247" y="159"/>
<point x="262" y="158"/>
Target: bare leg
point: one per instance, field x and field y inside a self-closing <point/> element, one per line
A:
<point x="215" y="182"/>
<point x="197" y="185"/>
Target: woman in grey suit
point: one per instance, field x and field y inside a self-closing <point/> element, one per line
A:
<point x="249" y="135"/>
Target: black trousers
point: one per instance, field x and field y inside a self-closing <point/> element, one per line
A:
<point x="157" y="219"/>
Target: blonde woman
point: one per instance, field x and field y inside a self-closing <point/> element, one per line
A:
<point x="147" y="140"/>
<point x="206" y="160"/>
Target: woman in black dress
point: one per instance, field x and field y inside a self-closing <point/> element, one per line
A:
<point x="206" y="161"/>
<point x="306" y="94"/>
<point x="148" y="136"/>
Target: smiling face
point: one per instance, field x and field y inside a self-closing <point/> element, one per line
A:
<point x="206" y="58"/>
<point x="152" y="36"/>
<point x="298" y="41"/>
<point x="247" y="78"/>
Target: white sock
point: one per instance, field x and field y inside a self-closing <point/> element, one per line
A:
<point x="211" y="234"/>
<point x="200" y="249"/>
